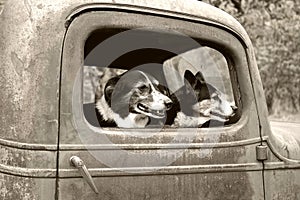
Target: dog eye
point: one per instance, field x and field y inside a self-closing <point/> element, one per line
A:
<point x="143" y="88"/>
<point x="162" y="89"/>
<point x="215" y="96"/>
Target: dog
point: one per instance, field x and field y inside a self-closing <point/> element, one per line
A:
<point x="197" y="103"/>
<point x="132" y="100"/>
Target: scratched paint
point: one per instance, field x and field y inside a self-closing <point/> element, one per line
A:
<point x="31" y="42"/>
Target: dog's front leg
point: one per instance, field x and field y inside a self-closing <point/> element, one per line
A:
<point x="183" y="120"/>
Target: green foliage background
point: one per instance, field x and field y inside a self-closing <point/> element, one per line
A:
<point x="274" y="28"/>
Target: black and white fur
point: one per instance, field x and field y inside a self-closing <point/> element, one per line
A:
<point x="197" y="103"/>
<point x="131" y="100"/>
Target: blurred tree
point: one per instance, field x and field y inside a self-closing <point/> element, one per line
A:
<point x="274" y="28"/>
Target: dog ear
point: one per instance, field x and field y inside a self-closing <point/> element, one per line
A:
<point x="194" y="79"/>
<point x="109" y="88"/>
<point x="199" y="77"/>
<point x="190" y="77"/>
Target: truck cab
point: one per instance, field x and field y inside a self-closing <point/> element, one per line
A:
<point x="58" y="56"/>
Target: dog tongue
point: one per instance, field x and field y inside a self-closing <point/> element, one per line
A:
<point x="158" y="113"/>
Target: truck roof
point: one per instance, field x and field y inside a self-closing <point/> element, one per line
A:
<point x="35" y="13"/>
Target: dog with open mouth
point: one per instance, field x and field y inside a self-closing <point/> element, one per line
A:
<point x="133" y="100"/>
<point x="197" y="103"/>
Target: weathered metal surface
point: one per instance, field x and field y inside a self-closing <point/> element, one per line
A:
<point x="229" y="186"/>
<point x="31" y="41"/>
<point x="234" y="151"/>
<point x="27" y="163"/>
<point x="282" y="184"/>
<point x="237" y="159"/>
<point x="30" y="50"/>
<point x="16" y="187"/>
<point x="261" y="152"/>
<point x="281" y="173"/>
<point x="30" y="59"/>
<point x="30" y="77"/>
<point x="288" y="135"/>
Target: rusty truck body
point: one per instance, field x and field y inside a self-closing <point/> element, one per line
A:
<point x="48" y="148"/>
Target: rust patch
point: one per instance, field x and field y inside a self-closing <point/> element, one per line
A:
<point x="13" y="188"/>
<point x="18" y="63"/>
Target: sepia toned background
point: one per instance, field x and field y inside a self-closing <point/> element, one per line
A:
<point x="274" y="28"/>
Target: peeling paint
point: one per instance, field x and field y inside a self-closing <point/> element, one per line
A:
<point x="18" y="64"/>
<point x="28" y="6"/>
<point x="32" y="33"/>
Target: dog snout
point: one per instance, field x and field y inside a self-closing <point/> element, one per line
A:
<point x="169" y="104"/>
<point x="233" y="107"/>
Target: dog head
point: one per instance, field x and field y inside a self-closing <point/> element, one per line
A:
<point x="210" y="102"/>
<point x="139" y="93"/>
<point x="199" y="102"/>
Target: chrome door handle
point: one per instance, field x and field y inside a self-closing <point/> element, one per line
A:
<point x="79" y="164"/>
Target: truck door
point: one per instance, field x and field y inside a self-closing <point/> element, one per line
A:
<point x="199" y="148"/>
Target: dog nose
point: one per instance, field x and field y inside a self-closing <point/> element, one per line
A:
<point x="169" y="104"/>
<point x="233" y="107"/>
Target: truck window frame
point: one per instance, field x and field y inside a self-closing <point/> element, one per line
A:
<point x="219" y="38"/>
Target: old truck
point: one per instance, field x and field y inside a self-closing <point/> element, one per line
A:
<point x="53" y="52"/>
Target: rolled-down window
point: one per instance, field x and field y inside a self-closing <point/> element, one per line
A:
<point x="152" y="78"/>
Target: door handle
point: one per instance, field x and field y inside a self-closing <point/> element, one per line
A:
<point x="79" y="164"/>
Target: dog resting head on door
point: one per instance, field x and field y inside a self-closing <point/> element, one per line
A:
<point x="197" y="103"/>
<point x="132" y="100"/>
